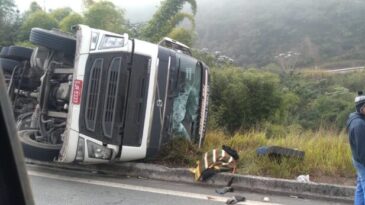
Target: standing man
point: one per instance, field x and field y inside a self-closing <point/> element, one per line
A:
<point x="356" y="132"/>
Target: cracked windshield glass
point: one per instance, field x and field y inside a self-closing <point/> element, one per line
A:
<point x="186" y="103"/>
<point x="144" y="101"/>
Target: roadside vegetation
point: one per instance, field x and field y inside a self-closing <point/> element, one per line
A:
<point x="305" y="110"/>
<point x="327" y="154"/>
<point x="101" y="14"/>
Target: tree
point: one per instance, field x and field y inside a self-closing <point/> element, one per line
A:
<point x="61" y="13"/>
<point x="6" y="7"/>
<point x="105" y="15"/>
<point x="240" y="99"/>
<point x="167" y="18"/>
<point x="38" y="19"/>
<point x="183" y="35"/>
<point x="34" y="7"/>
<point x="9" y="22"/>
<point x="69" y="21"/>
<point x="88" y="3"/>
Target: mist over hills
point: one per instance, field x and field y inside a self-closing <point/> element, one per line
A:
<point x="254" y="32"/>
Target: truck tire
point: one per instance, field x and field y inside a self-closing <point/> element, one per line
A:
<point x="36" y="150"/>
<point x="19" y="53"/>
<point x="53" y="40"/>
<point x="8" y="65"/>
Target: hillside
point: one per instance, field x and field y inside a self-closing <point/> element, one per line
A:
<point x="253" y="32"/>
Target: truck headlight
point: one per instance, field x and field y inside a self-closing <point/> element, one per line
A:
<point x="111" y="42"/>
<point x="80" y="149"/>
<point x="94" y="40"/>
<point x="98" y="151"/>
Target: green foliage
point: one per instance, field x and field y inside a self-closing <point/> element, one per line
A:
<point x="182" y="35"/>
<point x="6" y="7"/>
<point x="275" y="131"/>
<point x="324" y="100"/>
<point x="88" y="3"/>
<point x="61" y="13"/>
<point x="243" y="98"/>
<point x="167" y="17"/>
<point x="331" y="109"/>
<point x="135" y="29"/>
<point x="254" y="99"/>
<point x="69" y="21"/>
<point x="286" y="112"/>
<point x="9" y="22"/>
<point x="105" y="15"/>
<point x="213" y="61"/>
<point x="38" y="19"/>
<point x="34" y="7"/>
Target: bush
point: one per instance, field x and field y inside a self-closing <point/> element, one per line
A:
<point x="275" y="131"/>
<point x="38" y="19"/>
<point x="243" y="98"/>
<point x="69" y="21"/>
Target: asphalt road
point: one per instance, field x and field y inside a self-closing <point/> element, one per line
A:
<point x="56" y="187"/>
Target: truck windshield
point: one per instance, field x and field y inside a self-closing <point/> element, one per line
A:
<point x="186" y="103"/>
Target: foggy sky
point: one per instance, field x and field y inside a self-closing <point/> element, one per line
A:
<point x="135" y="10"/>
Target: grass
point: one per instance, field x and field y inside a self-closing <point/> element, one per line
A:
<point x="327" y="153"/>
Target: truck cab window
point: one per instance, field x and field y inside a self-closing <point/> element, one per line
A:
<point x="186" y="102"/>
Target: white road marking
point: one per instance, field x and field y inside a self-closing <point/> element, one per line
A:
<point x="142" y="188"/>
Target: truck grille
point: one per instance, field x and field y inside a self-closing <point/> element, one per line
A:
<point x="92" y="100"/>
<point x="114" y="98"/>
<point x="111" y="96"/>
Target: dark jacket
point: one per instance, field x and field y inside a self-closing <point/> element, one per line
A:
<point x="356" y="131"/>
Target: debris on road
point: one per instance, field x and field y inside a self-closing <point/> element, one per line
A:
<point x="236" y="199"/>
<point x="224" y="190"/>
<point x="266" y="199"/>
<point x="296" y="197"/>
<point x="227" y="188"/>
<point x="303" y="178"/>
<point x="222" y="160"/>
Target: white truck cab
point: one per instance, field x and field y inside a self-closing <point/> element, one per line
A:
<point x="111" y="97"/>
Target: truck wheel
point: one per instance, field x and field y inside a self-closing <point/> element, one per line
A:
<point x="8" y="65"/>
<point x="37" y="150"/>
<point x="19" y="53"/>
<point x="53" y="40"/>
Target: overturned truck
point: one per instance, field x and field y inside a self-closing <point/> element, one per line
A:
<point x="98" y="96"/>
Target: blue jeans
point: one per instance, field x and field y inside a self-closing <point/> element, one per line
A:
<point x="360" y="183"/>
